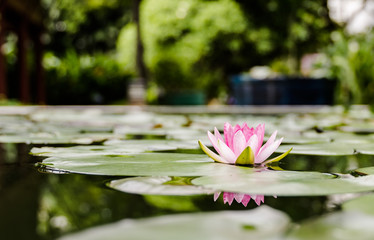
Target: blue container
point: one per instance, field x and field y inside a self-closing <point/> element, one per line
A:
<point x="282" y="91"/>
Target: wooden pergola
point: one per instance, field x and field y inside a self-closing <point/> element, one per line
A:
<point x="25" y="19"/>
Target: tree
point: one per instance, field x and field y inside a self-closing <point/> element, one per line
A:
<point x="85" y="26"/>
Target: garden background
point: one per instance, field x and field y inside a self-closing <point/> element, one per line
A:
<point x="91" y="49"/>
<point x="89" y="149"/>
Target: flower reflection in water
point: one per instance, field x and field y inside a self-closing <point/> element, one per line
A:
<point x="228" y="197"/>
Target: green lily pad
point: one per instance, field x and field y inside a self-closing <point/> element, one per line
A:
<point x="365" y="148"/>
<point x="302" y="139"/>
<point x="321" y="149"/>
<point x="169" y="132"/>
<point x="260" y="223"/>
<point x="143" y="164"/>
<point x="330" y="148"/>
<point x="156" y="186"/>
<point x="326" y="137"/>
<point x="154" y="145"/>
<point x="52" y="138"/>
<point x="287" y="183"/>
<point x="363" y="204"/>
<point x="359" y="128"/>
<point x="366" y="170"/>
<point x="350" y="138"/>
<point x="115" y="147"/>
<point x="339" y="225"/>
<point x="79" y="151"/>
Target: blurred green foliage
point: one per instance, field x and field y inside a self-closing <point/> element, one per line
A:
<point x="197" y="44"/>
<point x="189" y="44"/>
<point x="84" y="79"/>
<point x="183" y="39"/>
<point x="88" y="26"/>
<point x="294" y="27"/>
<point x="350" y="60"/>
<point x="79" y="40"/>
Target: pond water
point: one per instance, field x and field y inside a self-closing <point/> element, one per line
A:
<point x="138" y="173"/>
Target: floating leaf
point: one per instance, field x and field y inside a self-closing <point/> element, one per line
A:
<point x="260" y="223"/>
<point x="359" y="128"/>
<point x="79" y="151"/>
<point x="287" y="183"/>
<point x="156" y="186"/>
<point x="321" y="149"/>
<point x="339" y="225"/>
<point x="363" y="204"/>
<point x="366" y="170"/>
<point x="144" y="164"/>
<point x="331" y="149"/>
<point x="115" y="147"/>
<point x="365" y="148"/>
<point x="55" y="138"/>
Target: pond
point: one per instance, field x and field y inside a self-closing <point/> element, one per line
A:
<point x="122" y="172"/>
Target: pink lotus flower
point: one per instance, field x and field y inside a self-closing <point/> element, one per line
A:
<point x="243" y="145"/>
<point x="229" y="197"/>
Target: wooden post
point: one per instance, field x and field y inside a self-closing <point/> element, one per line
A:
<point x="22" y="62"/>
<point x="40" y="80"/>
<point x="3" y="83"/>
<point x="137" y="88"/>
<point x="140" y="65"/>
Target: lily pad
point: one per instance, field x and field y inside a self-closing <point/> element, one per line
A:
<point x="311" y="136"/>
<point x="287" y="183"/>
<point x="115" y="147"/>
<point x="321" y="149"/>
<point x="359" y="127"/>
<point x="366" y="170"/>
<point x="260" y="223"/>
<point x="53" y="138"/>
<point x="366" y="148"/>
<point x="363" y="204"/>
<point x="157" y="186"/>
<point x="153" y="145"/>
<point x="339" y="225"/>
<point x="169" y="132"/>
<point x="143" y="164"/>
<point x="79" y="151"/>
<point x="330" y="148"/>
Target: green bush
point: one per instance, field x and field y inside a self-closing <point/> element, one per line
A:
<point x="350" y="61"/>
<point x="187" y="43"/>
<point x="198" y="44"/>
<point x="85" y="79"/>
